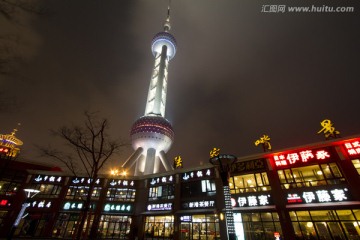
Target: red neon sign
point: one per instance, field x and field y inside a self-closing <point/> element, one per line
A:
<point x="3" y="202"/>
<point x="353" y="148"/>
<point x="302" y="156"/>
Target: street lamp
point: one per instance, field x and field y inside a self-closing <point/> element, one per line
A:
<point x="224" y="162"/>
<point x="29" y="193"/>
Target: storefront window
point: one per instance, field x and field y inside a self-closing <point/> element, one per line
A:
<point x="47" y="190"/>
<point x="198" y="188"/>
<point x="159" y="227"/>
<point x="33" y="225"/>
<point x="162" y="192"/>
<point x="80" y="192"/>
<point x="249" y="183"/>
<point x="200" y="227"/>
<point x="309" y="176"/>
<point x="2" y="216"/>
<point x="65" y="226"/>
<point x="9" y="188"/>
<point x="326" y="224"/>
<point x="257" y="225"/>
<point x="356" y="163"/>
<point x="112" y="226"/>
<point x="121" y="194"/>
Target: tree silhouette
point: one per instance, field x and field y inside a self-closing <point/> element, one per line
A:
<point x="90" y="149"/>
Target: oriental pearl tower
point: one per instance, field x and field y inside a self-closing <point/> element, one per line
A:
<point x="152" y="134"/>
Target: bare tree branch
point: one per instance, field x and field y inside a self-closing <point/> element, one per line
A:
<point x="93" y="149"/>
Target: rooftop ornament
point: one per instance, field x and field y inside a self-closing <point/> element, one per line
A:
<point x="9" y="144"/>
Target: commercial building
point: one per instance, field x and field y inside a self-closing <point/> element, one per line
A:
<point x="306" y="192"/>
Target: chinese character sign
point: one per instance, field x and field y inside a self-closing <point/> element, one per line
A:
<point x="300" y="157"/>
<point x="253" y="201"/>
<point x="178" y="162"/>
<point x="319" y="196"/>
<point x="199" y="204"/>
<point x="248" y="166"/>
<point x="214" y="152"/>
<point x="265" y="142"/>
<point x="204" y="173"/>
<point x="328" y="129"/>
<point x="48" y="179"/>
<point x="353" y="148"/>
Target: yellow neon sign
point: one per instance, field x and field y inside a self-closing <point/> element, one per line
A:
<point x="265" y="141"/>
<point x="214" y="152"/>
<point x="328" y="129"/>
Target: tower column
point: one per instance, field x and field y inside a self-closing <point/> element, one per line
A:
<point x="160" y="94"/>
<point x="150" y="161"/>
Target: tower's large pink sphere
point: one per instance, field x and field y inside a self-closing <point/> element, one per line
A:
<point x="152" y="132"/>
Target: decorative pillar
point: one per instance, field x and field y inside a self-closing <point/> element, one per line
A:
<point x="223" y="162"/>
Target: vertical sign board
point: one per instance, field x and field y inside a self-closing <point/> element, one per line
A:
<point x="229" y="214"/>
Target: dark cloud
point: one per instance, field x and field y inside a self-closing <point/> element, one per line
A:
<point x="237" y="75"/>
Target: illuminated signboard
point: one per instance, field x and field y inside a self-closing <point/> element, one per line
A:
<point x="159" y="207"/>
<point x="84" y="181"/>
<point x="353" y="148"/>
<point x="49" y="179"/>
<point x="319" y="196"/>
<point x="162" y="180"/>
<point x="121" y="183"/>
<point x="197" y="174"/>
<point x="252" y="201"/>
<point x="304" y="156"/>
<point x="229" y="214"/>
<point x="118" y="207"/>
<point x="75" y="206"/>
<point x="186" y="218"/>
<point x="40" y="204"/>
<point x="247" y="166"/>
<point x="199" y="204"/>
<point x="5" y="203"/>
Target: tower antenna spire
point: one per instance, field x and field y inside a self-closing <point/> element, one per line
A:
<point x="167" y="25"/>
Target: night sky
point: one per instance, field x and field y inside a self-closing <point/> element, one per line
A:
<point x="238" y="73"/>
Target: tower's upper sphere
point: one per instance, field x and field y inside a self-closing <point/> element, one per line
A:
<point x="161" y="39"/>
<point x="152" y="132"/>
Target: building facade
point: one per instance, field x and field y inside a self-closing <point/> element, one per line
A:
<point x="306" y="192"/>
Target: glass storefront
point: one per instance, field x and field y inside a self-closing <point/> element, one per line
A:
<point x="326" y="224"/>
<point x="65" y="226"/>
<point x="199" y="227"/>
<point x="257" y="225"/>
<point x="310" y="176"/>
<point x="198" y="188"/>
<point x="356" y="163"/>
<point x="121" y="194"/>
<point x="255" y="182"/>
<point x="159" y="227"/>
<point x="112" y="226"/>
<point x="33" y="225"/>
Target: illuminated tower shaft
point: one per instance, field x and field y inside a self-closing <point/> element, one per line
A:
<point x="152" y="135"/>
<point x="156" y="99"/>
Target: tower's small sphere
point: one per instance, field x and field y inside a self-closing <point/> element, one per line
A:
<point x="161" y="39"/>
<point x="152" y="132"/>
